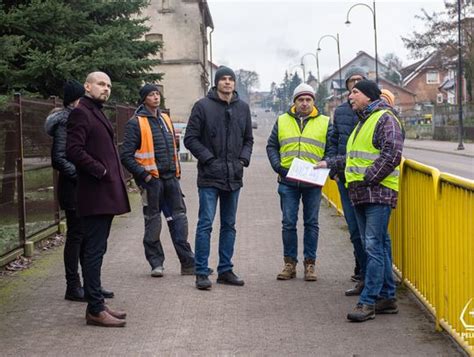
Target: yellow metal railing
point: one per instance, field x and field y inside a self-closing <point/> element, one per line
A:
<point x="432" y="232"/>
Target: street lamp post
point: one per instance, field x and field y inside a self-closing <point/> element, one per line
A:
<point x="372" y="10"/>
<point x="335" y="38"/>
<point x="302" y="63"/>
<point x="460" y="84"/>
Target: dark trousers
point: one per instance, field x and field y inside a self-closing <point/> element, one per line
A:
<point x="94" y="245"/>
<point x="157" y="192"/>
<point x="72" y="248"/>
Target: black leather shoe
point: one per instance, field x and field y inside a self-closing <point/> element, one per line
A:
<point x="357" y="290"/>
<point x="75" y="294"/>
<point x="203" y="282"/>
<point x="106" y="293"/>
<point x="229" y="278"/>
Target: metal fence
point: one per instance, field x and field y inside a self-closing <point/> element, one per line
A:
<point x="28" y="204"/>
<point x="432" y="232"/>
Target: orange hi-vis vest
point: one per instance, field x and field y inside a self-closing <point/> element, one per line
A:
<point x="145" y="156"/>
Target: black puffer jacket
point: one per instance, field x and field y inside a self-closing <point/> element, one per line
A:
<point x="162" y="144"/>
<point x="55" y="126"/>
<point x="345" y="120"/>
<point x="219" y="135"/>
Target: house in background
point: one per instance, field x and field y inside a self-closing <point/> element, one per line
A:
<point x="182" y="26"/>
<point x="336" y="85"/>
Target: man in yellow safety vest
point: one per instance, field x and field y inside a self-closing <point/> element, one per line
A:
<point x="302" y="133"/>
<point x="374" y="152"/>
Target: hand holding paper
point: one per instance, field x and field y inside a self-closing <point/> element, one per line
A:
<point x="304" y="171"/>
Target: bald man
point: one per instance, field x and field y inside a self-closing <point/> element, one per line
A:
<point x="101" y="190"/>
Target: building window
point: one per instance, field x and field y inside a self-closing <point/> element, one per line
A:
<point x="155" y="37"/>
<point x="432" y="77"/>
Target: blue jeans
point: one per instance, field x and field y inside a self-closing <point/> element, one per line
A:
<point x="350" y="216"/>
<point x="289" y="202"/>
<point x="373" y="224"/>
<point x="228" y="201"/>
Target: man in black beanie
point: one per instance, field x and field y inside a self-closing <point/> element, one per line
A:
<point x="344" y="122"/>
<point x="371" y="169"/>
<point x="223" y="71"/>
<point x="219" y="135"/>
<point x="150" y="154"/>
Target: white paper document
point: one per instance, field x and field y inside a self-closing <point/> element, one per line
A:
<point x="304" y="171"/>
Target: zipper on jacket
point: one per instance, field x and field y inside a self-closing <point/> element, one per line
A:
<point x="162" y="130"/>
<point x="227" y="133"/>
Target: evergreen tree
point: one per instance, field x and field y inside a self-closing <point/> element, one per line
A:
<point x="295" y="82"/>
<point x="46" y="42"/>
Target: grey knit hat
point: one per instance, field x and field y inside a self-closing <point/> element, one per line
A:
<point x="303" y="89"/>
<point x="355" y="71"/>
<point x="223" y="71"/>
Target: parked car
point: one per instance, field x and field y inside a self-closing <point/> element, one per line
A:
<point x="254" y="124"/>
<point x="267" y="110"/>
<point x="254" y="114"/>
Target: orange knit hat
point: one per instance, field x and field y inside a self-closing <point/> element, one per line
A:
<point x="387" y="96"/>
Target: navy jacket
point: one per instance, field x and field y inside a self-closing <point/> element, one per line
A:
<point x="345" y="120"/>
<point x="219" y="135"/>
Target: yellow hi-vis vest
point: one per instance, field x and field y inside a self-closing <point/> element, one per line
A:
<point x="361" y="153"/>
<point x="145" y="155"/>
<point x="308" y="145"/>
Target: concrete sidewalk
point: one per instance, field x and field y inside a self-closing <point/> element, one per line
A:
<point x="447" y="147"/>
<point x="169" y="317"/>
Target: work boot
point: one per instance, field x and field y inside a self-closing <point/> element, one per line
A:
<point x="386" y="306"/>
<point x="357" y="290"/>
<point x="289" y="270"/>
<point x="309" y="273"/>
<point x="229" y="278"/>
<point x="361" y="313"/>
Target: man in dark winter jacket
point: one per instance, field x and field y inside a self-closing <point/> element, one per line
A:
<point x="219" y="135"/>
<point x="345" y="120"/>
<point x="149" y="152"/>
<point x="55" y="126"/>
<point x="303" y="133"/>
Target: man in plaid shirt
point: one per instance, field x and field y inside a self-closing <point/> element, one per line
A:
<point x="374" y="151"/>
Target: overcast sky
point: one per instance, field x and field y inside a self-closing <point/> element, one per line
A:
<point x="270" y="37"/>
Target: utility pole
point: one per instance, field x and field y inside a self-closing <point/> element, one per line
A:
<point x="460" y="82"/>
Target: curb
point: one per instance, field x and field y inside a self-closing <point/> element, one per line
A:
<point x="439" y="151"/>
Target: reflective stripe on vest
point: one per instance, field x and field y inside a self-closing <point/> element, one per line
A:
<point x="145" y="155"/>
<point x="361" y="153"/>
<point x="308" y="145"/>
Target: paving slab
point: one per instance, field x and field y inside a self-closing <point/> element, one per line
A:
<point x="169" y="317"/>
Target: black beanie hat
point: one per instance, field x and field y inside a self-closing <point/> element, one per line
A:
<point x="147" y="89"/>
<point x="72" y="91"/>
<point x="223" y="71"/>
<point x="369" y="88"/>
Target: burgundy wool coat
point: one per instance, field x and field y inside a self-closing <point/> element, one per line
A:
<point x="90" y="147"/>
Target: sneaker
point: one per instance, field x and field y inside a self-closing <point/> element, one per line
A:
<point x="157" y="272"/>
<point x="361" y="313"/>
<point x="386" y="306"/>
<point x="229" y="278"/>
<point x="357" y="290"/>
<point x="203" y="282"/>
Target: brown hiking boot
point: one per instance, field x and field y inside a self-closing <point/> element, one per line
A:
<point x="309" y="273"/>
<point x="289" y="270"/>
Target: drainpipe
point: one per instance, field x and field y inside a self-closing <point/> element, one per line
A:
<point x="210" y="56"/>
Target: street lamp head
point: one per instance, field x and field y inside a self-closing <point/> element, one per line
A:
<point x="318" y="49"/>
<point x="348" y="23"/>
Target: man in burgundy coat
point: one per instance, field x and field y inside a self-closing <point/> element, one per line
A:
<point x="101" y="190"/>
